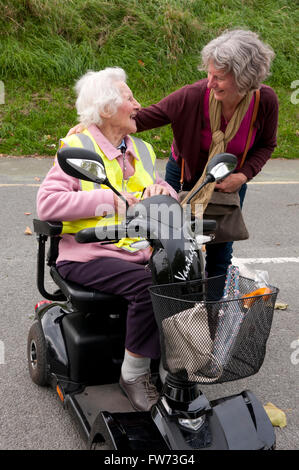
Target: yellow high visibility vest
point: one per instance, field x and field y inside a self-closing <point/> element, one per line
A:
<point x="144" y="176"/>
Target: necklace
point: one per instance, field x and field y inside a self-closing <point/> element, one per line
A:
<point x="122" y="147"/>
<point x="124" y="170"/>
<point x="227" y="116"/>
<point x="229" y="110"/>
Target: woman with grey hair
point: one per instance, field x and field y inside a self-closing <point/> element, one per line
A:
<point x="107" y="110"/>
<point x="215" y="115"/>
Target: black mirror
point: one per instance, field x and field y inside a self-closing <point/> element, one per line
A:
<point x="218" y="168"/>
<point x="221" y="165"/>
<point x="83" y="164"/>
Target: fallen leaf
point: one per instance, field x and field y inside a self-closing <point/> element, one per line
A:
<point x="27" y="213"/>
<point x="28" y="231"/>
<point x="276" y="416"/>
<point x="281" y="306"/>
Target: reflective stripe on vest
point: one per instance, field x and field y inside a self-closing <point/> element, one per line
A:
<point x="144" y="176"/>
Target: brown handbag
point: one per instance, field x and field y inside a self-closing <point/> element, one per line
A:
<point x="225" y="207"/>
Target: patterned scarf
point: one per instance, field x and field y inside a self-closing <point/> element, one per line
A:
<point x="218" y="145"/>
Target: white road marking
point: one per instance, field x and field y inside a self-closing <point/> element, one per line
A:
<point x="244" y="263"/>
<point x="273" y="182"/>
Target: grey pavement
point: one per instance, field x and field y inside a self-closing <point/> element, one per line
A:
<point x="32" y="417"/>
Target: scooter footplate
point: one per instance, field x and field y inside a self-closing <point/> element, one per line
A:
<point x="134" y="431"/>
<point x="105" y="408"/>
<point x="102" y="397"/>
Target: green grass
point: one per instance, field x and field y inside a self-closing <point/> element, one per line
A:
<point x="46" y="45"/>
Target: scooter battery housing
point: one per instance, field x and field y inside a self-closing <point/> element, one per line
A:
<point x="95" y="346"/>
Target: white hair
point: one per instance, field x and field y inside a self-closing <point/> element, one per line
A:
<point x="97" y="92"/>
<point x="242" y="53"/>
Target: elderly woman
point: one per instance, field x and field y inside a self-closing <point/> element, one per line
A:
<point x="107" y="111"/>
<point x="215" y="114"/>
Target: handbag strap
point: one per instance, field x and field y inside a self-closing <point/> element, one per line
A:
<point x="182" y="175"/>
<point x="253" y="119"/>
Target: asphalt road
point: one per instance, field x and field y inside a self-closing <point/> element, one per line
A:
<point x="32" y="417"/>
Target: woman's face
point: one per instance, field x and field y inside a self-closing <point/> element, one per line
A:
<point x="124" y="119"/>
<point x="223" y="84"/>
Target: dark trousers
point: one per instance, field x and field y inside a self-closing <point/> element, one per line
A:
<point x="131" y="281"/>
<point x="218" y="255"/>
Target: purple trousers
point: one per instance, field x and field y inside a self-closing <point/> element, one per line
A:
<point x="129" y="280"/>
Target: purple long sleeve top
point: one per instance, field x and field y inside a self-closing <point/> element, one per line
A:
<point x="184" y="110"/>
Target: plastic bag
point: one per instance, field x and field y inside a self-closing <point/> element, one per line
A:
<point x="229" y="319"/>
<point x="261" y="279"/>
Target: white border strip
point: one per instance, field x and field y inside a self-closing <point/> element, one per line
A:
<point x="273" y="182"/>
<point x="241" y="261"/>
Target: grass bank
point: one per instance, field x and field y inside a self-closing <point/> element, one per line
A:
<point x="46" y="45"/>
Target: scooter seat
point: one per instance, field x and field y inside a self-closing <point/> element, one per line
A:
<point x="85" y="299"/>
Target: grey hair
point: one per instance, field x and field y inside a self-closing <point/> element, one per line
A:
<point x="242" y="53"/>
<point x="97" y="92"/>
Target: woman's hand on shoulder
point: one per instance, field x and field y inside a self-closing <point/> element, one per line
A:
<point x="77" y="129"/>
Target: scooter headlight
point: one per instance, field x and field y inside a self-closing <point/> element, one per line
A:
<point x="192" y="424"/>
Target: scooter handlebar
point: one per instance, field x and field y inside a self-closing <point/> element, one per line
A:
<point x="103" y="234"/>
<point x="110" y="233"/>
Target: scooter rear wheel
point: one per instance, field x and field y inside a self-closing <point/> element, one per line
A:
<point x="37" y="355"/>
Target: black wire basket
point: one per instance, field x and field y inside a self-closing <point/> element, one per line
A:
<point x="206" y="338"/>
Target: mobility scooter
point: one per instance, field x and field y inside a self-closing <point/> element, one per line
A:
<point x="209" y="333"/>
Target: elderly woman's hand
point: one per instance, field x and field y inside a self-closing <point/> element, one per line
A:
<point x="155" y="190"/>
<point x="120" y="206"/>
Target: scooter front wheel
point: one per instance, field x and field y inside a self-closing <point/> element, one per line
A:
<point x="37" y="355"/>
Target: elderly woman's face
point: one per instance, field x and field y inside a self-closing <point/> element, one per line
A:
<point x="124" y="118"/>
<point x="222" y="83"/>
